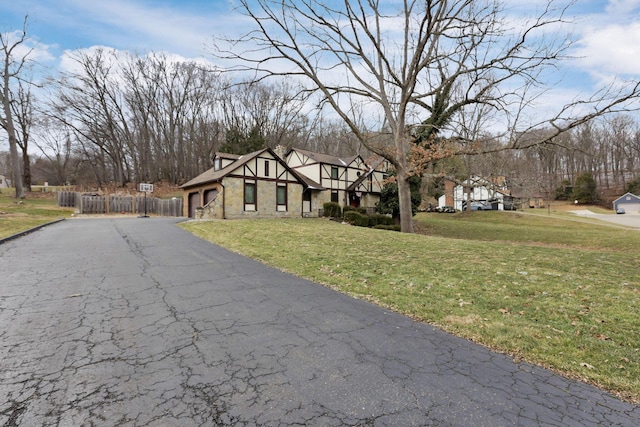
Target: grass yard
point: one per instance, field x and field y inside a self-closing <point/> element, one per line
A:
<point x="559" y="293"/>
<point x="20" y="215"/>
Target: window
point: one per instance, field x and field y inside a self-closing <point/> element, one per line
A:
<point x="334" y="196"/>
<point x="281" y="196"/>
<point x="334" y="172"/>
<point x="249" y="196"/>
<point x="266" y="168"/>
<point x="216" y="164"/>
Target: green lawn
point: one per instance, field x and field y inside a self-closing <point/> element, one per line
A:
<point x="20" y="215"/>
<point x="559" y="293"/>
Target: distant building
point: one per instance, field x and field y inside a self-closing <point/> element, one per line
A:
<point x="4" y="183"/>
<point x="492" y="195"/>
<point x="629" y="202"/>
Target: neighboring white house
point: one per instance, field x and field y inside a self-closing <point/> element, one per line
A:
<point x="3" y="182"/>
<point x="495" y="196"/>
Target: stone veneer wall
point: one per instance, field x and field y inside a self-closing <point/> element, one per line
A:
<point x="266" y="200"/>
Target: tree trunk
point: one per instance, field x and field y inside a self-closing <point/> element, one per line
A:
<point x="404" y="200"/>
<point x="16" y="164"/>
<point x="26" y="171"/>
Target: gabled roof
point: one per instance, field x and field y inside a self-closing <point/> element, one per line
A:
<point x="364" y="176"/>
<point x="325" y="158"/>
<point x="213" y="175"/>
<point x="227" y="156"/>
<point x="634" y="198"/>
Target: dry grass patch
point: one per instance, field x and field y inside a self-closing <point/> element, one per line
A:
<point x="20" y="215"/>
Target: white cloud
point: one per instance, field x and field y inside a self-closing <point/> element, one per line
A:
<point x="611" y="49"/>
<point x="607" y="45"/>
<point x="622" y="6"/>
<point x="134" y="25"/>
<point x="29" y="49"/>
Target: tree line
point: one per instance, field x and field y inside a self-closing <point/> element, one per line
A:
<point x="150" y="118"/>
<point x="608" y="149"/>
<point x="121" y="118"/>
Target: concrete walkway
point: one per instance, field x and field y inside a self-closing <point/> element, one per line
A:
<point x="135" y="322"/>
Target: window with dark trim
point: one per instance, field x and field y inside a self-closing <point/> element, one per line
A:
<point x="281" y="195"/>
<point x="334" y="196"/>
<point x="250" y="195"/>
<point x="334" y="172"/>
<point x="266" y="168"/>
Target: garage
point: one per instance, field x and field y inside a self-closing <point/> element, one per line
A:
<point x="630" y="208"/>
<point x="629" y="202"/>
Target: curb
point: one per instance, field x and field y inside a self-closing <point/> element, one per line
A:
<point x="31" y="230"/>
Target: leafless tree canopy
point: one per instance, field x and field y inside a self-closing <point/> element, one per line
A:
<point x="12" y="74"/>
<point x="419" y="70"/>
<point x="148" y="118"/>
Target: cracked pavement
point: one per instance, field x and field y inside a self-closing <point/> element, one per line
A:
<point x="135" y="322"/>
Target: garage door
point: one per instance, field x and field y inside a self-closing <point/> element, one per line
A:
<point x="631" y="208"/>
<point x="194" y="202"/>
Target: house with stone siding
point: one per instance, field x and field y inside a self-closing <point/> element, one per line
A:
<point x="255" y="185"/>
<point x="296" y="183"/>
<point x="348" y="181"/>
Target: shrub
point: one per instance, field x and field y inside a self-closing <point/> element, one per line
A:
<point x="332" y="210"/>
<point x="389" y="201"/>
<point x="633" y="187"/>
<point x="348" y="208"/>
<point x="585" y="189"/>
<point x="563" y="192"/>
<point x="379" y="219"/>
<point x="356" y="218"/>
<point x="387" y="227"/>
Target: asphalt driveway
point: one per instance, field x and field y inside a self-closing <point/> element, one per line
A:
<point x="627" y="220"/>
<point x="135" y="322"/>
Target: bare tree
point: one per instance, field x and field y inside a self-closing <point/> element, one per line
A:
<point x="143" y="118"/>
<point x="22" y="108"/>
<point x="12" y="68"/>
<point x="91" y="103"/>
<point x="270" y="114"/>
<point x="174" y="115"/>
<point x="416" y="67"/>
<point x="55" y="142"/>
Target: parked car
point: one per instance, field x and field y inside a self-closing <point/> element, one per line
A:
<point x="619" y="211"/>
<point x="479" y="206"/>
<point x="446" y="209"/>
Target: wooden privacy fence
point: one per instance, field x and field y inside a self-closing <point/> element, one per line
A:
<point x="95" y="204"/>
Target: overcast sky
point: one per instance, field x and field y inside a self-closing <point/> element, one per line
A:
<point x="607" y="31"/>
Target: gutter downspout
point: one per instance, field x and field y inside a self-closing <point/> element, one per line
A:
<point x="224" y="201"/>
